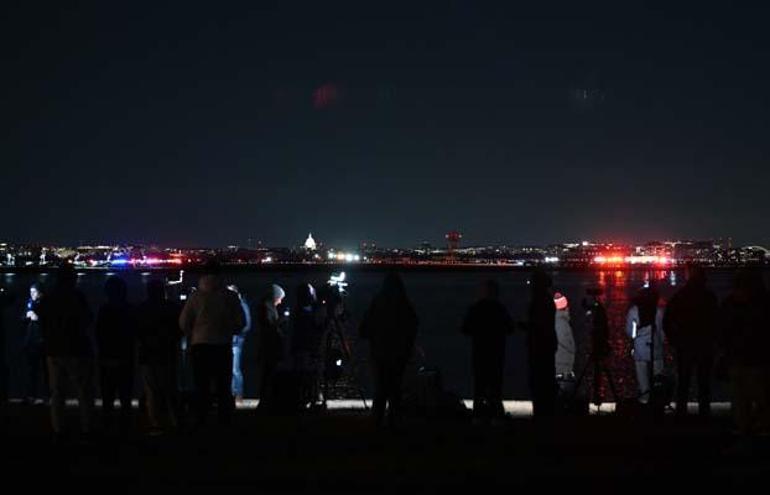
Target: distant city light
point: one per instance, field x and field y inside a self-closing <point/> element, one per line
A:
<point x="616" y="259"/>
<point x="343" y="257"/>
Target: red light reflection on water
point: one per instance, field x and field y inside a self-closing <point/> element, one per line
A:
<point x="618" y="290"/>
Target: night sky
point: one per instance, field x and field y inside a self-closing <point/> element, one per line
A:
<point x="211" y="123"/>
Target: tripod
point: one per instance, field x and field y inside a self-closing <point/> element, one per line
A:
<point x="599" y="369"/>
<point x="332" y="377"/>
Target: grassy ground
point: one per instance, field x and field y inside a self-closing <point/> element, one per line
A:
<point x="342" y="452"/>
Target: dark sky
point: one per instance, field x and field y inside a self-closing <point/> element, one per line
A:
<point x="208" y="123"/>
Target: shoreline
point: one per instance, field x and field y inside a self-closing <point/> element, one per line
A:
<point x="372" y="267"/>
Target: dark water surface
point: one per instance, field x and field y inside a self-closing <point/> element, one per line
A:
<point x="440" y="298"/>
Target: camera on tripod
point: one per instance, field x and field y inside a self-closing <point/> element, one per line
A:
<point x="339" y="368"/>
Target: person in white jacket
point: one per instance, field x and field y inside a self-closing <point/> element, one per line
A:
<point x="209" y="319"/>
<point x="645" y="319"/>
<point x="565" y="352"/>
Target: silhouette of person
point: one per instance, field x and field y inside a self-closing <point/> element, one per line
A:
<point x="307" y="338"/>
<point x="64" y="321"/>
<point x="238" y="340"/>
<point x="645" y="319"/>
<point x="5" y="300"/>
<point x="596" y="322"/>
<point x="542" y="345"/>
<point x="115" y="343"/>
<point x="565" y="353"/>
<point x="488" y="323"/>
<point x="745" y="339"/>
<point x="390" y="327"/>
<point x="209" y="319"/>
<point x="33" y="348"/>
<point x="159" y="337"/>
<point x="270" y="347"/>
<point x="690" y="324"/>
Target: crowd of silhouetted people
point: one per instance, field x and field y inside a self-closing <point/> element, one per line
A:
<point x="68" y="347"/>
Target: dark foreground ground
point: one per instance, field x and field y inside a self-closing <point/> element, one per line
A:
<point x="341" y="452"/>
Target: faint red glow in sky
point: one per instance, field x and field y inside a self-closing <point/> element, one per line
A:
<point x="325" y="96"/>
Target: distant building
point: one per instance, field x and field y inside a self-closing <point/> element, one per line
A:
<point x="310" y="243"/>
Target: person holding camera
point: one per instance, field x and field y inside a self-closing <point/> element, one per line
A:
<point x="33" y="348"/>
<point x="307" y="338"/>
<point x="270" y="346"/>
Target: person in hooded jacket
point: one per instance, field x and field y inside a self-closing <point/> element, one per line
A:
<point x="209" y="319"/>
<point x="307" y="338"/>
<point x="690" y="324"/>
<point x="565" y="353"/>
<point x="643" y="321"/>
<point x="390" y="327"/>
<point x="488" y="323"/>
<point x="542" y="345"/>
<point x="270" y="343"/>
<point x="115" y="343"/>
<point x="159" y="338"/>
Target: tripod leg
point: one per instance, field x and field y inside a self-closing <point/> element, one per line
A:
<point x="347" y="355"/>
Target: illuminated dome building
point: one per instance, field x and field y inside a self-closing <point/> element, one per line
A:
<point x="310" y="244"/>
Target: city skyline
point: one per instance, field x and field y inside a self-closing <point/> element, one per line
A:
<point x="440" y="242"/>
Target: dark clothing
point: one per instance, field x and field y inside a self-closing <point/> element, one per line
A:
<point x="158" y="332"/>
<point x="691" y="318"/>
<point x="745" y="332"/>
<point x="646" y="303"/>
<point x="703" y="365"/>
<point x="34" y="335"/>
<point x="115" y="341"/>
<point x="116" y="333"/>
<point x="270" y="346"/>
<point x="5" y="300"/>
<point x="34" y="357"/>
<point x="213" y="368"/>
<point x="542" y="385"/>
<point x="306" y="349"/>
<point x="596" y="321"/>
<point x="270" y="349"/>
<point x="116" y="381"/>
<point x="690" y="325"/>
<point x="161" y="395"/>
<point x="488" y="323"/>
<point x="307" y="331"/>
<point x="390" y="326"/>
<point x="388" y="380"/>
<point x="64" y="320"/>
<point x="745" y="337"/>
<point x="541" y="350"/>
<point x="78" y="371"/>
